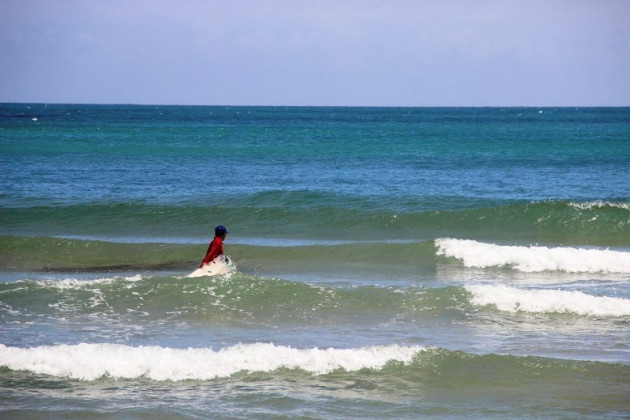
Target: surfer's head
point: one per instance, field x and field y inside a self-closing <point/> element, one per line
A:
<point x="220" y="230"/>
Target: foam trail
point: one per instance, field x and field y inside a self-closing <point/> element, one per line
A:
<point x="93" y="361"/>
<point x="534" y="258"/>
<point x="72" y="283"/>
<point x="547" y="301"/>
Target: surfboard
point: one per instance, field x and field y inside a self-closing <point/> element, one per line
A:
<point x="218" y="266"/>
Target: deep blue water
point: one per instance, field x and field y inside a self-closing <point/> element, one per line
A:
<point x="396" y="157"/>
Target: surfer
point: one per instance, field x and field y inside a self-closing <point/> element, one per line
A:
<point x="215" y="249"/>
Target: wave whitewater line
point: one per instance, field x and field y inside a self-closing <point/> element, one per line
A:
<point x="93" y="361"/>
<point x="512" y="299"/>
<point x="90" y="362"/>
<point x="535" y="258"/>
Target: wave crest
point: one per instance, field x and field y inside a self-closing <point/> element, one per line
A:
<point x="534" y="258"/>
<point x="547" y="301"/>
<point x="92" y="361"/>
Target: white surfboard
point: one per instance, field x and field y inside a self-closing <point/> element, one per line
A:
<point x="218" y="266"/>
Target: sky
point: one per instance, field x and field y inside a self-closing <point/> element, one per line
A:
<point x="316" y="53"/>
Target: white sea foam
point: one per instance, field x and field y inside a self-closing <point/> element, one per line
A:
<point x="534" y="258"/>
<point x="590" y="205"/>
<point x="511" y="299"/>
<point x="73" y="283"/>
<point x="92" y="361"/>
<point x="221" y="265"/>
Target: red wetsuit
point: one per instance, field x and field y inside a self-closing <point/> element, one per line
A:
<point x="214" y="250"/>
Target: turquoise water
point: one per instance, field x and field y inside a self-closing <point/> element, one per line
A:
<point x="391" y="262"/>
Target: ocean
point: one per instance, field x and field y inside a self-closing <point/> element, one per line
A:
<point x="389" y="262"/>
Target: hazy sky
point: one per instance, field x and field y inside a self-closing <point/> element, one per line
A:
<point x="320" y="52"/>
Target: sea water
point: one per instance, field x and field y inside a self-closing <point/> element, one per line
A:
<point x="391" y="262"/>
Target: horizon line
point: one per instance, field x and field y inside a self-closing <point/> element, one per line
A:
<point x="308" y="106"/>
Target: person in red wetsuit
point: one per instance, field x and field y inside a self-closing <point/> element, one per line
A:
<point x="215" y="249"/>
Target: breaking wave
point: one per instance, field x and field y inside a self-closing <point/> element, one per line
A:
<point x="511" y="299"/>
<point x="92" y="361"/>
<point x="534" y="258"/>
